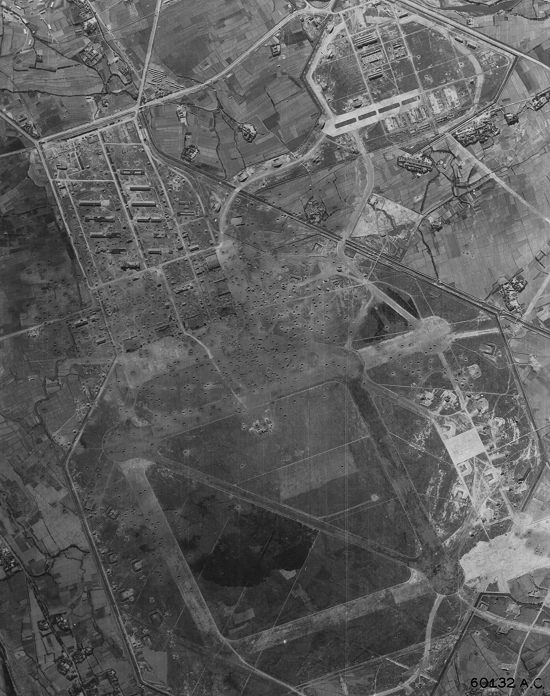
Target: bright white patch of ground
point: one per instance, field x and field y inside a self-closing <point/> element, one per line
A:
<point x="376" y="220"/>
<point x="431" y="334"/>
<point x="154" y="359"/>
<point x="523" y="549"/>
<point x="464" y="446"/>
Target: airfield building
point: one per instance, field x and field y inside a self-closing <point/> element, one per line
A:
<point x="420" y="164"/>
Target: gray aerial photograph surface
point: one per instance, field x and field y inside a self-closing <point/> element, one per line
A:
<point x="274" y="348"/>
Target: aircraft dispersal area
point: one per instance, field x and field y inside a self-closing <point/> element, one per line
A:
<point x="274" y="348"/>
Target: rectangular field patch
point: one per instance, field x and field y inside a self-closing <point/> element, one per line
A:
<point x="464" y="446"/>
<point x="315" y="472"/>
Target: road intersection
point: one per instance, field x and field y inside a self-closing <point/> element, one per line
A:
<point x="344" y="243"/>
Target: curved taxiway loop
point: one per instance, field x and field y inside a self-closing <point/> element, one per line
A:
<point x="135" y="472"/>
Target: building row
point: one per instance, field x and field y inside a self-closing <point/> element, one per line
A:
<point x="419" y="163"/>
<point x="478" y="131"/>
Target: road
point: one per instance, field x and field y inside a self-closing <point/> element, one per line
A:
<point x="349" y="678"/>
<point x="489" y="172"/>
<point x="122" y="198"/>
<point x="367" y="193"/>
<point x="438" y="284"/>
<point x="346" y="234"/>
<point x="333" y="616"/>
<point x="134" y="471"/>
<point x="55" y="194"/>
<point x="18" y="128"/>
<point x="291" y="513"/>
<point x="440" y="18"/>
<point x="243" y="56"/>
<point x="84" y="521"/>
<point x="434" y="562"/>
<point x="429" y="629"/>
<point x="149" y="51"/>
<point x="237" y="190"/>
<point x="362" y="251"/>
<point x="258" y="176"/>
<point x="92" y="127"/>
<point x="501" y="621"/>
<point x="331" y="235"/>
<point x="443" y="572"/>
<point x="130" y="113"/>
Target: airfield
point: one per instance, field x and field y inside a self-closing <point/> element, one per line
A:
<point x="274" y="340"/>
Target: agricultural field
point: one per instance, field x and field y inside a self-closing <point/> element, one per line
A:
<point x="352" y="444"/>
<point x="274" y="324"/>
<point x="320" y="464"/>
<point x="40" y="275"/>
<point x="11" y="139"/>
<point x="501" y="251"/>
<point x="49" y="380"/>
<point x="46" y="89"/>
<point x="197" y="42"/>
<point x="500" y="645"/>
<point x="130" y="30"/>
<point x="458" y="238"/>
<point x="326" y="197"/>
<point x="261" y="92"/>
<point x="514" y="156"/>
<point x="82" y="350"/>
<point x="521" y="28"/>
<point x="381" y="60"/>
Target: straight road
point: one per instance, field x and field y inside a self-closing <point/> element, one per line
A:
<point x="451" y="23"/>
<point x="132" y="111"/>
<point x="18" y="128"/>
<point x="291" y="513"/>
<point x="354" y="219"/>
<point x="443" y="572"/>
<point x="333" y="616"/>
<point x="363" y="251"/>
<point x="503" y="621"/>
<point x="410" y="4"/>
<point x="123" y="201"/>
<point x="149" y="51"/>
<point x="491" y="174"/>
<point x="93" y="126"/>
<point x="257" y="44"/>
<point x="135" y="472"/>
